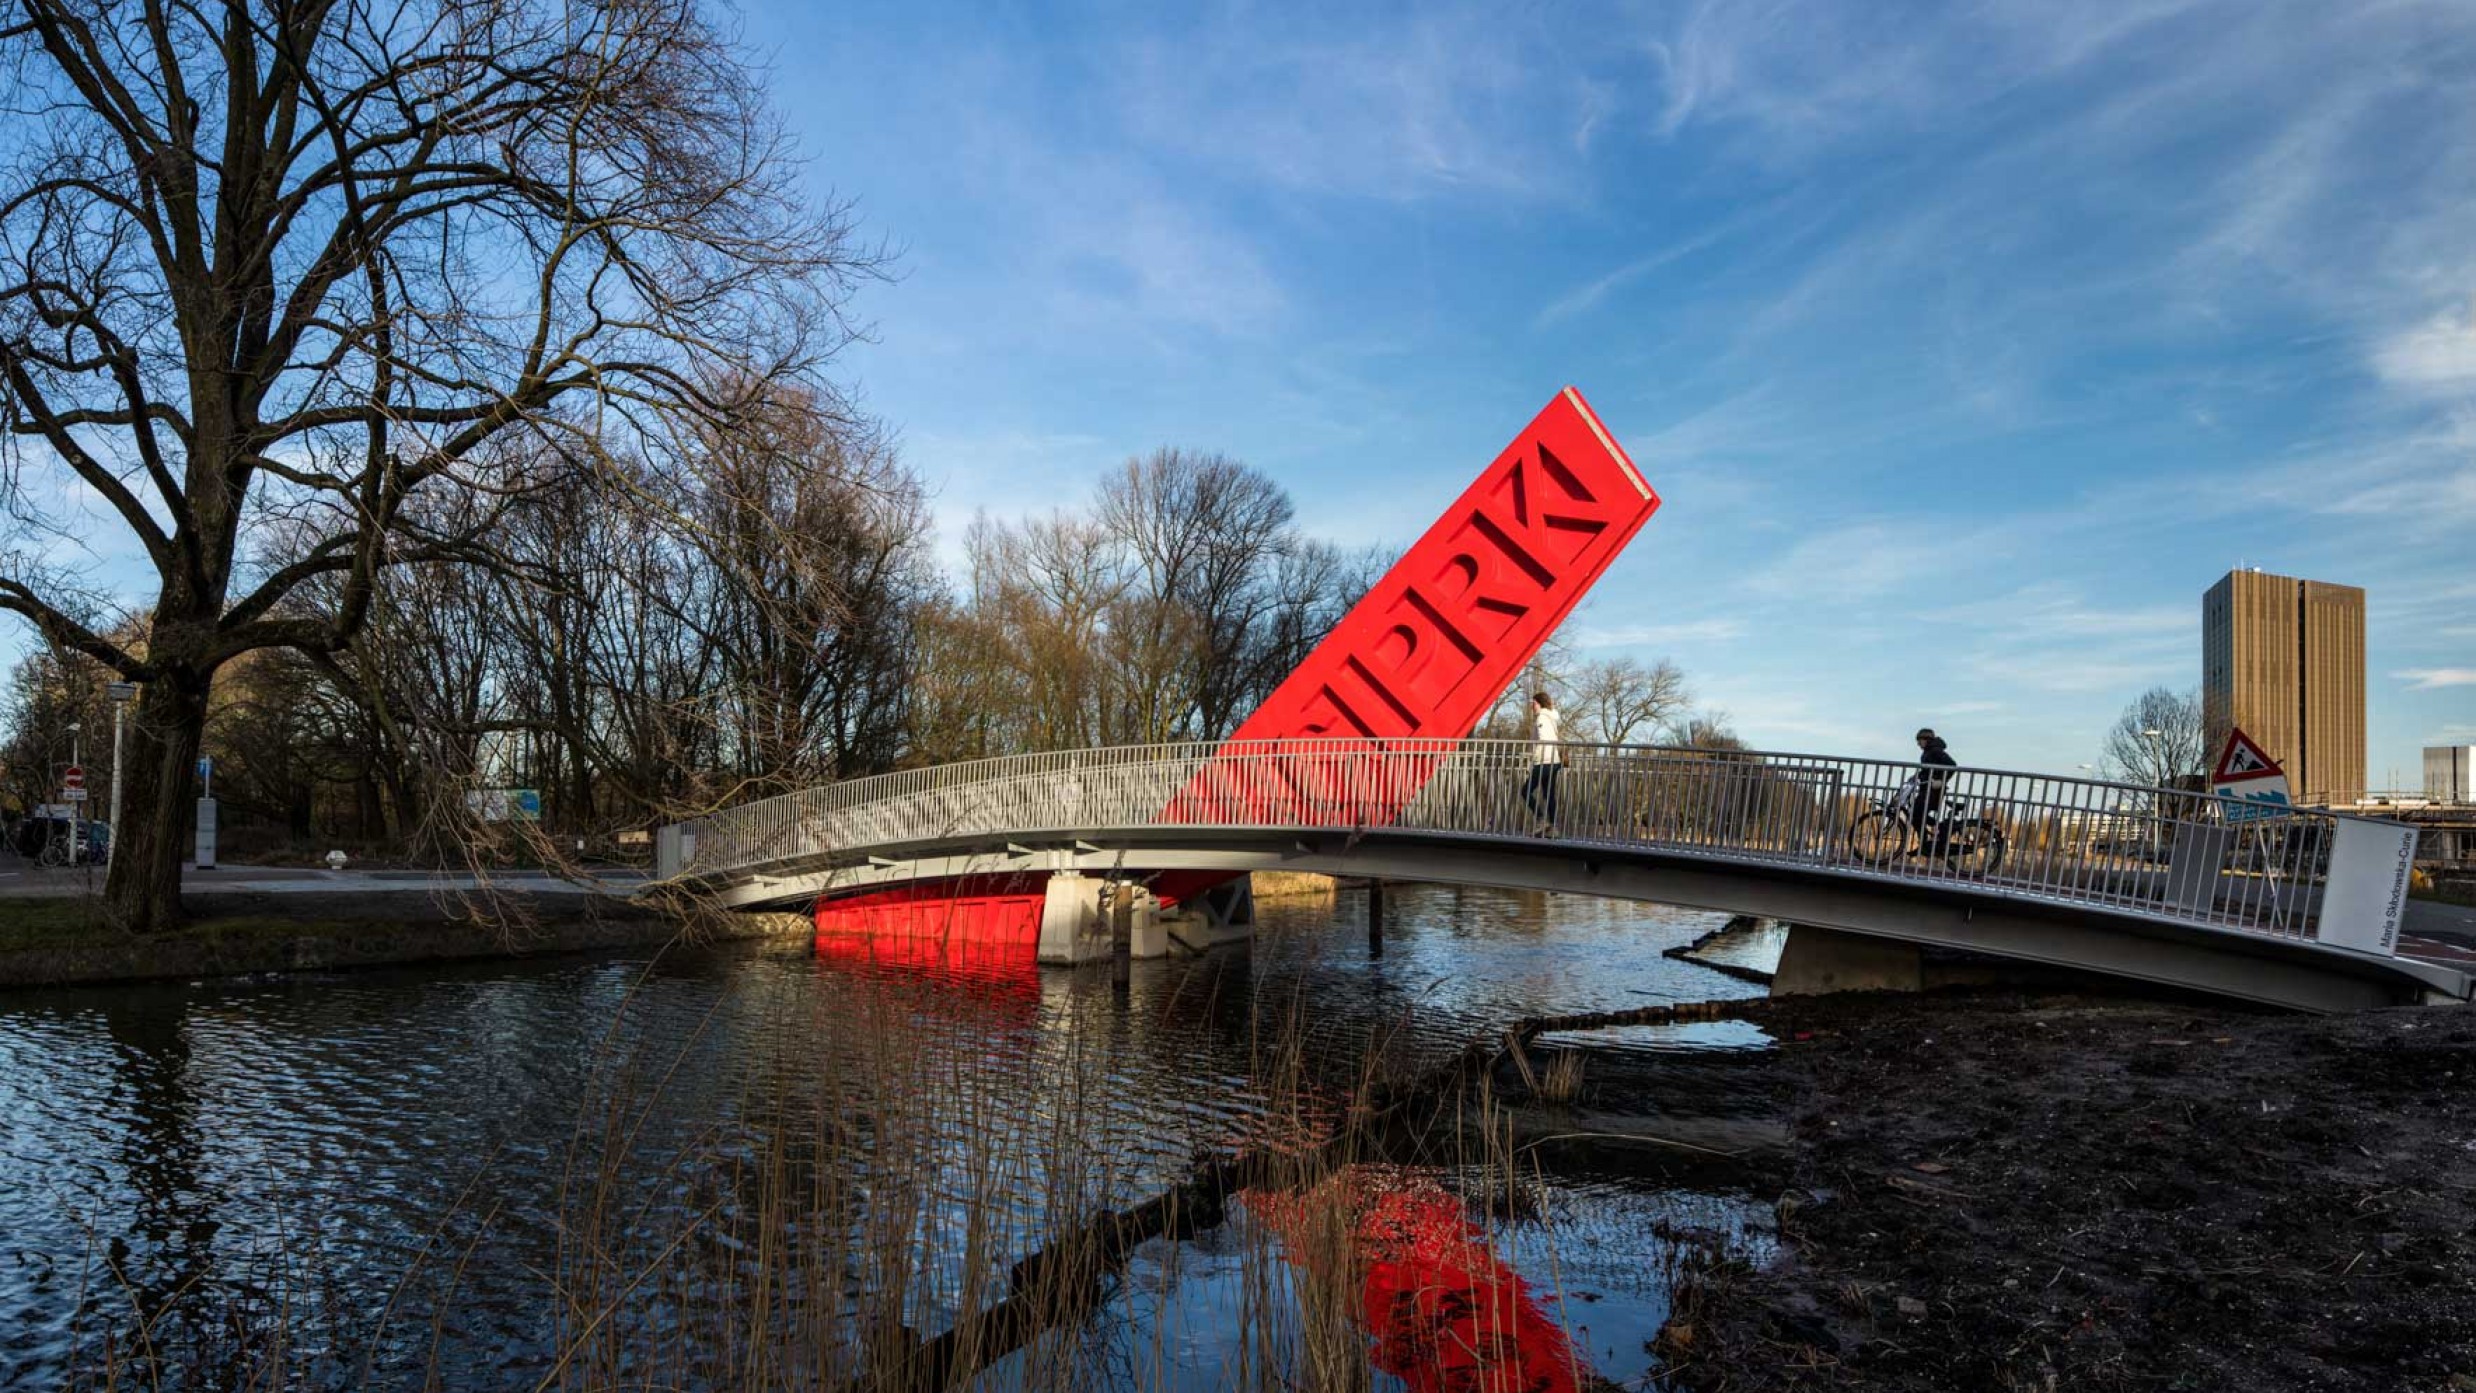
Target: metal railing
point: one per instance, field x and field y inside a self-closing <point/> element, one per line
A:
<point x="2166" y="854"/>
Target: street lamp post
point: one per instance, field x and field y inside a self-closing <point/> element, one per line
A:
<point x="77" y="821"/>
<point x="2157" y="779"/>
<point x="121" y="693"/>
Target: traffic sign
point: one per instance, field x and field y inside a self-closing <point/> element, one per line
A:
<point x="121" y="691"/>
<point x="72" y="795"/>
<point x="2247" y="774"/>
<point x="73" y="779"/>
<point x="2242" y="760"/>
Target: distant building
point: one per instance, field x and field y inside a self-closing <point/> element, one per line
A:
<point x="2450" y="773"/>
<point x="2283" y="658"/>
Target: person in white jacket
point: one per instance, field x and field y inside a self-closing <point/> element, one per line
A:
<point x="1547" y="762"/>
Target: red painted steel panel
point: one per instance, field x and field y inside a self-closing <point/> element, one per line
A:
<point x="979" y="909"/>
<point x="1424" y="654"/>
<point x="1440" y="637"/>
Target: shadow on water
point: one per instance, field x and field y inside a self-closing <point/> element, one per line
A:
<point x="588" y="1172"/>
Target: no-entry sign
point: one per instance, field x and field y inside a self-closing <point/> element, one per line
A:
<point x="73" y="779"/>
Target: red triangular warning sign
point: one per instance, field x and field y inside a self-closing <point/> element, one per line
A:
<point x="2242" y="759"/>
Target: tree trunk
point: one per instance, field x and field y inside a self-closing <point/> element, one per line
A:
<point x="371" y="813"/>
<point x="143" y="892"/>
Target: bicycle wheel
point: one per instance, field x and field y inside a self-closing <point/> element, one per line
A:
<point x="1977" y="851"/>
<point x="53" y="856"/>
<point x="1877" y="840"/>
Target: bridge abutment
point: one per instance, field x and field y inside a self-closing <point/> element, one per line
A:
<point x="1817" y="962"/>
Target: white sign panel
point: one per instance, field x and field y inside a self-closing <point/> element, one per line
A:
<point x="504" y="804"/>
<point x="2367" y="891"/>
<point x="2266" y="798"/>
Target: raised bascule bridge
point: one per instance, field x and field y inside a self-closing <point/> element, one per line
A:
<point x="1360" y="764"/>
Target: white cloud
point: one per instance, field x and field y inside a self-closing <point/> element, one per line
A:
<point x="1588" y="296"/>
<point x="1146" y="256"/>
<point x="1454" y="100"/>
<point x="2053" y="610"/>
<point x="1659" y="635"/>
<point x="1854" y="563"/>
<point x="1807" y="74"/>
<point x="2426" y="679"/>
<point x="2441" y="353"/>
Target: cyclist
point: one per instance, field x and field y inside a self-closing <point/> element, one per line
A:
<point x="1936" y="757"/>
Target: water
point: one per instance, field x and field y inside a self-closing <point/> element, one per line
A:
<point x="402" y="1152"/>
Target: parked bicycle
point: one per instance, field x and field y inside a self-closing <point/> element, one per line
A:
<point x="1970" y="843"/>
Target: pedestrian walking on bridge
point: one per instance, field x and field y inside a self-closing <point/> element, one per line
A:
<point x="1547" y="762"/>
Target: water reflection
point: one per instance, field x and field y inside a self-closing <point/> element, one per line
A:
<point x="410" y="1142"/>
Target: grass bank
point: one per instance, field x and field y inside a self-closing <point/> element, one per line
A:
<point x="67" y="941"/>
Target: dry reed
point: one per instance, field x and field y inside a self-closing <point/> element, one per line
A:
<point x="928" y="1200"/>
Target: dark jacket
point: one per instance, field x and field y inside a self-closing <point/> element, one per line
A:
<point x="1937" y="757"/>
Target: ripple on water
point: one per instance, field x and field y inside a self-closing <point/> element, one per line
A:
<point x="209" y="1133"/>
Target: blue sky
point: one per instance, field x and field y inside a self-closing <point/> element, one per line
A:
<point x="1968" y="344"/>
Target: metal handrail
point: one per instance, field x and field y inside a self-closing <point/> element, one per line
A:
<point x="2167" y="854"/>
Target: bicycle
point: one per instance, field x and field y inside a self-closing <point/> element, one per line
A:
<point x="1969" y="843"/>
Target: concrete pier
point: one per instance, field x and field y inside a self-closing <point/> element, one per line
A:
<point x="1083" y="916"/>
<point x="1074" y="927"/>
<point x="1222" y="914"/>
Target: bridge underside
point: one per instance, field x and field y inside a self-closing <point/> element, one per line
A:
<point x="1975" y="918"/>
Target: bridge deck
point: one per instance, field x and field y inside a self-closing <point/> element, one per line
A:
<point x="2113" y="859"/>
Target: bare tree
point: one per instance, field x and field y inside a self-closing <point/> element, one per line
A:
<point x="815" y="544"/>
<point x="1167" y="612"/>
<point x="270" y="273"/>
<point x="1619" y="700"/>
<point x="1207" y="535"/>
<point x="2158" y="740"/>
<point x="49" y="692"/>
<point x="1707" y="730"/>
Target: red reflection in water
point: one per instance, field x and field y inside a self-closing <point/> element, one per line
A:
<point x="1446" y="1315"/>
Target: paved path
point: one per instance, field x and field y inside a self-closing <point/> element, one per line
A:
<point x="22" y="878"/>
<point x="2439" y="933"/>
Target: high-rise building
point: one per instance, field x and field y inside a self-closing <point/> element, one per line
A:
<point x="2450" y="773"/>
<point x="2284" y="659"/>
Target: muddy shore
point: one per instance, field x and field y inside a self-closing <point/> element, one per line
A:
<point x="1993" y="1192"/>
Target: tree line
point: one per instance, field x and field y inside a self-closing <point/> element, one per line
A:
<point x="459" y="380"/>
<point x="783" y="622"/>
